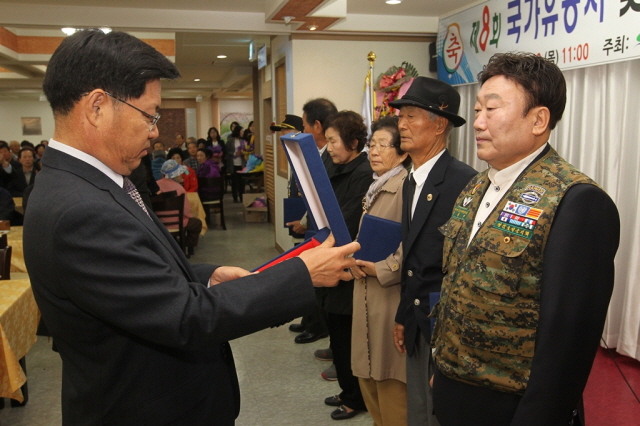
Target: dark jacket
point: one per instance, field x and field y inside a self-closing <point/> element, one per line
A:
<point x="350" y="183"/>
<point x="422" y="244"/>
<point x="141" y="337"/>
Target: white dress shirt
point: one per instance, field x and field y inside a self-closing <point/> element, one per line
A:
<point x="420" y="175"/>
<point x="501" y="181"/>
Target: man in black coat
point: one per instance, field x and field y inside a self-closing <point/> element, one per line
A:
<point x="428" y="112"/>
<point x="142" y="333"/>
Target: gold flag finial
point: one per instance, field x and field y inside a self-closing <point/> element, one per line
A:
<point x="371" y="57"/>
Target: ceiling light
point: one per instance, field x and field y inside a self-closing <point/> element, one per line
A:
<point x="69" y="31"/>
<point x="393" y="1"/>
<point x="196" y="79"/>
<point x="106" y="30"/>
<point x="312" y="27"/>
<point x="288" y="19"/>
<point x="221" y="56"/>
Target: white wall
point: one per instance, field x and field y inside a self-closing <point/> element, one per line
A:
<point x="11" y="125"/>
<point x="336" y="70"/>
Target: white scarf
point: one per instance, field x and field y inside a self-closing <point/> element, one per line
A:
<point x="378" y="183"/>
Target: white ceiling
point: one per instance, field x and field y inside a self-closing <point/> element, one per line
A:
<point x="202" y="29"/>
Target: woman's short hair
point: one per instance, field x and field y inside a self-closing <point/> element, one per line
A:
<point x="351" y="128"/>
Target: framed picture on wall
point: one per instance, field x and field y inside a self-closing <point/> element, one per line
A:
<point x="31" y="126"/>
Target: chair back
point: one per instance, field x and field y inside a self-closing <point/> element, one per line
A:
<point x="211" y="189"/>
<point x="170" y="210"/>
<point x="5" y="263"/>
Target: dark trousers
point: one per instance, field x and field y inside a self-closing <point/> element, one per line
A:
<point x="315" y="322"/>
<point x="237" y="184"/>
<point x="340" y="337"/>
<point x="192" y="232"/>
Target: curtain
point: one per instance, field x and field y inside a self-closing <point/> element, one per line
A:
<point x="598" y="134"/>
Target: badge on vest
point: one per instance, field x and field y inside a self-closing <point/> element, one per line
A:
<point x="460" y="212"/>
<point x="532" y="194"/>
<point x="518" y="219"/>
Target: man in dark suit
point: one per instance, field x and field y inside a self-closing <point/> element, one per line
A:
<point x="529" y="255"/>
<point x="314" y="114"/>
<point x="7" y="165"/>
<point x="141" y="332"/>
<point x="428" y="113"/>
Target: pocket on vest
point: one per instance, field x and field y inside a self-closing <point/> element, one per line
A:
<point x="499" y="261"/>
<point x="494" y="347"/>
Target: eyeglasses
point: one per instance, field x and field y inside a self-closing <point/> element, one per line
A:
<point x="381" y="147"/>
<point x="154" y="118"/>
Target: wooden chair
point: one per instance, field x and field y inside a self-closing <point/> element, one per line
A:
<point x="170" y="210"/>
<point x="5" y="263"/>
<point x="211" y="191"/>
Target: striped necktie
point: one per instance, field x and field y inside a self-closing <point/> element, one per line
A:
<point x="134" y="194"/>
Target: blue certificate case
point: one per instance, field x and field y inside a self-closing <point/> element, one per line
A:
<point x="314" y="184"/>
<point x="378" y="238"/>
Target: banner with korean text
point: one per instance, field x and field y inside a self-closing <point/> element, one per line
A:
<point x="571" y="33"/>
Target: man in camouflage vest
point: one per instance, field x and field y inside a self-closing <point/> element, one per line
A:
<point x="528" y="257"/>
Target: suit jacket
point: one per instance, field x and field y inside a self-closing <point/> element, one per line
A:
<point x="422" y="244"/>
<point x="18" y="181"/>
<point x="141" y="337"/>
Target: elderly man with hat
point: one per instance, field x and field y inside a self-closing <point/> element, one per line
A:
<point x="428" y="113"/>
<point x="172" y="181"/>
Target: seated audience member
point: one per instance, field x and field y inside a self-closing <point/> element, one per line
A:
<point x="208" y="168"/>
<point x="7" y="163"/>
<point x="172" y="173"/>
<point x="190" y="158"/>
<point x="39" y="151"/>
<point x="25" y="176"/>
<point x="8" y="209"/>
<point x="14" y="147"/>
<point x="158" y="159"/>
<point x="158" y="146"/>
<point x="201" y="143"/>
<point x="189" y="179"/>
<point x="380" y="368"/>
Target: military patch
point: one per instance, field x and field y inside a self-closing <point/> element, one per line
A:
<point x="475" y="188"/>
<point x="513" y="229"/>
<point x="522" y="210"/>
<point x="460" y="213"/>
<point x="532" y="194"/>
<point x="466" y="201"/>
<point x="514" y="219"/>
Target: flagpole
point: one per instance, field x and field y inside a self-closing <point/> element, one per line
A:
<point x="371" y="57"/>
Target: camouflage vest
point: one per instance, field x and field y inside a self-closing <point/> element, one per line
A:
<point x="488" y="312"/>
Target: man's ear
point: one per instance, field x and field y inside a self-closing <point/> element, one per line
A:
<point x="317" y="127"/>
<point x="93" y="107"/>
<point x="540" y="116"/>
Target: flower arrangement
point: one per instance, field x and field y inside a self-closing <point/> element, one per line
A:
<point x="388" y="86"/>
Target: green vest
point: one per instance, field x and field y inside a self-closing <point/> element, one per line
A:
<point x="489" y="307"/>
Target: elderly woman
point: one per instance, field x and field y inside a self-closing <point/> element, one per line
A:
<point x="346" y="135"/>
<point x="207" y="167"/>
<point x="189" y="178"/>
<point x="380" y="368"/>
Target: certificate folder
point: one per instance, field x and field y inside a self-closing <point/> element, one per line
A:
<point x="378" y="238"/>
<point x="314" y="185"/>
<point x="317" y="195"/>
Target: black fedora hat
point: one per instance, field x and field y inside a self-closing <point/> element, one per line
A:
<point x="291" y="122"/>
<point x="435" y="96"/>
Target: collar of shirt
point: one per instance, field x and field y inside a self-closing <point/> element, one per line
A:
<point x="322" y="150"/>
<point x="83" y="156"/>
<point x="420" y="175"/>
<point x="508" y="175"/>
<point x="501" y="181"/>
